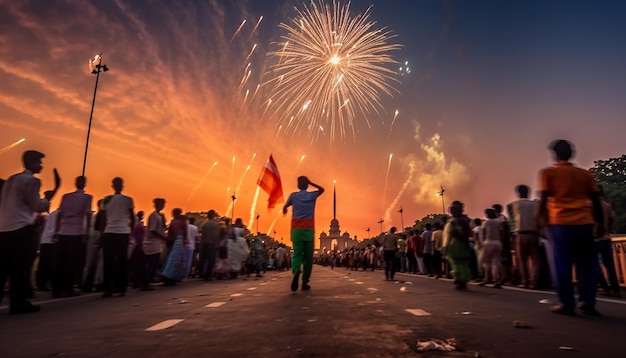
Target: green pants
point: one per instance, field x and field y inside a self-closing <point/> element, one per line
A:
<point x="460" y="269"/>
<point x="302" y="252"/>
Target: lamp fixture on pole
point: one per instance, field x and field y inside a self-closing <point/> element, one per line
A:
<point x="96" y="66"/>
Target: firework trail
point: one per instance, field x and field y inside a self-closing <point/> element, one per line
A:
<point x="277" y="134"/>
<point x="230" y="206"/>
<point x="387" y="180"/>
<point x="253" y="206"/>
<point x="269" y="103"/>
<point x="246" y="75"/>
<point x="330" y="69"/>
<point x="193" y="191"/>
<point x="238" y="30"/>
<point x="230" y="180"/>
<point x="245" y="98"/>
<point x="392" y="122"/>
<point x="11" y="146"/>
<point x="256" y="26"/>
<point x="274" y="222"/>
<point x="255" y="91"/>
<point x="404" y="186"/>
<point x="299" y="162"/>
<point x="251" y="52"/>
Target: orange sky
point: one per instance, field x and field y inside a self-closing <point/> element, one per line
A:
<point x="170" y="107"/>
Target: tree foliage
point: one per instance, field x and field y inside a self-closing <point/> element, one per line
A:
<point x="611" y="174"/>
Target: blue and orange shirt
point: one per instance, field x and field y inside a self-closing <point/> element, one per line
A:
<point x="303" y="211"/>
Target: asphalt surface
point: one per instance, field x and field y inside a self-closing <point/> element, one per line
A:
<point x="345" y="314"/>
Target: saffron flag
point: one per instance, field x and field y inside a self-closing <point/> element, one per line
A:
<point x="269" y="181"/>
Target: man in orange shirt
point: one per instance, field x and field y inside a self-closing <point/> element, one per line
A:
<point x="570" y="204"/>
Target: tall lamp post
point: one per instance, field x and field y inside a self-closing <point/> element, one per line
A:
<point x="257" y="223"/>
<point x="443" y="203"/>
<point x="368" y="232"/>
<point x="96" y="66"/>
<point x="233" y="212"/>
<point x="381" y="221"/>
<point x="401" y="217"/>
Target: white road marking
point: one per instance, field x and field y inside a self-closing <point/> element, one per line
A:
<point x="417" y="312"/>
<point x="263" y="283"/>
<point x="164" y="325"/>
<point x="236" y="294"/>
<point x="372" y="289"/>
<point x="351" y="279"/>
<point x="359" y="283"/>
<point x="215" y="304"/>
<point x="251" y="288"/>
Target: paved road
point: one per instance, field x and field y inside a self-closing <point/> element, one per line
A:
<point x="346" y="314"/>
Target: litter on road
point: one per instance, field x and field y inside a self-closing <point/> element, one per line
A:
<point x="447" y="345"/>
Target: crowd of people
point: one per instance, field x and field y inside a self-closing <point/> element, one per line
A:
<point x="534" y="247"/>
<point x="71" y="249"/>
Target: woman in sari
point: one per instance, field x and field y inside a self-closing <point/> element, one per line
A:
<point x="174" y="270"/>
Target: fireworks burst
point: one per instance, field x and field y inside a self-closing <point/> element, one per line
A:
<point x="331" y="69"/>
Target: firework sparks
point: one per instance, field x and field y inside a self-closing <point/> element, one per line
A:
<point x="253" y="206"/>
<point x="232" y="170"/>
<point x="392" y="122"/>
<point x="193" y="191"/>
<point x="274" y="222"/>
<point x="238" y="30"/>
<point x="299" y="162"/>
<point x="387" y="179"/>
<point x="11" y="146"/>
<point x="404" y="70"/>
<point x="330" y="68"/>
<point x="231" y="204"/>
<point x="404" y="186"/>
<point x="251" y="52"/>
<point x="256" y="27"/>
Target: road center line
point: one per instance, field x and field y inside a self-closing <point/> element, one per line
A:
<point x="417" y="312"/>
<point x="215" y="304"/>
<point x="164" y="325"/>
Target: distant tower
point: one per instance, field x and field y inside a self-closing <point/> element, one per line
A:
<point x="334" y="223"/>
<point x="334" y="240"/>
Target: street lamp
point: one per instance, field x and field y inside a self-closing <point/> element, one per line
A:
<point x="443" y="204"/>
<point x="96" y="66"/>
<point x="257" y="222"/>
<point x="401" y="217"/>
<point x="368" y="232"/>
<point x="233" y="212"/>
<point x="381" y="221"/>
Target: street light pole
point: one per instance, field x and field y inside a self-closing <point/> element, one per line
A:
<point x="401" y="217"/>
<point x="443" y="203"/>
<point x="381" y="221"/>
<point x="96" y="66"/>
<point x="257" y="223"/>
<point x="233" y="212"/>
